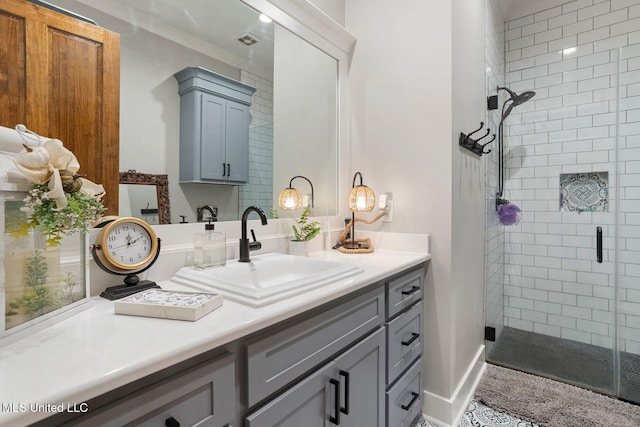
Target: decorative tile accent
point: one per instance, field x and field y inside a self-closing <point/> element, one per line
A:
<point x="584" y="192"/>
<point x="479" y="415"/>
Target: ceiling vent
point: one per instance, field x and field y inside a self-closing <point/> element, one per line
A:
<point x="248" y="39"/>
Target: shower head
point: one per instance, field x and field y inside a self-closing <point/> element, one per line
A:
<point x="515" y="100"/>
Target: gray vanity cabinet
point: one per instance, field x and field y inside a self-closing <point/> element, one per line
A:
<point x="347" y="391"/>
<point x="214" y="127"/>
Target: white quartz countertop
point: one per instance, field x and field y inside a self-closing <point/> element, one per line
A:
<point x="96" y="350"/>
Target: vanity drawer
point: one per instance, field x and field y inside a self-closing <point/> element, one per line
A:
<point x="403" y="291"/>
<point x="203" y="396"/>
<point x="281" y="357"/>
<point x="404" y="341"/>
<point x="404" y="399"/>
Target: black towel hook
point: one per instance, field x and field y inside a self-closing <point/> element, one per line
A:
<point x="484" y="136"/>
<point x="477" y="130"/>
<point x="487" y="143"/>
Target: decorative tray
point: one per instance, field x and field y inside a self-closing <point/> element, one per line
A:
<point x="166" y="304"/>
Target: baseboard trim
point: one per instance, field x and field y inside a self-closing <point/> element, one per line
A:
<point x="448" y="411"/>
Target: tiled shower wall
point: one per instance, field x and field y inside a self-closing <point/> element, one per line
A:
<point x="494" y="245"/>
<point x="553" y="284"/>
<point x="259" y="190"/>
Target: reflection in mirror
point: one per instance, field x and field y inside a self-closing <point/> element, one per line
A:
<point x="145" y="196"/>
<point x="293" y="127"/>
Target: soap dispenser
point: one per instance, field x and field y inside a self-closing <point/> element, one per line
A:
<point x="209" y="248"/>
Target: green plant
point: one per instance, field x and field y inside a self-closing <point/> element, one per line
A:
<point x="81" y="211"/>
<point x="69" y="282"/>
<point x="37" y="298"/>
<point x="306" y="230"/>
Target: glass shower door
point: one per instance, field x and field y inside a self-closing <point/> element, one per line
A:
<point x="628" y="239"/>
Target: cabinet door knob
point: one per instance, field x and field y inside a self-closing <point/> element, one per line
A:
<point x="224" y="169"/>
<point x="171" y="422"/>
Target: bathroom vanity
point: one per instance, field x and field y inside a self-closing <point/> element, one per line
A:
<point x="348" y="353"/>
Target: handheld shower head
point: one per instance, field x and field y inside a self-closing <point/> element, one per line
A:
<point x="515" y="100"/>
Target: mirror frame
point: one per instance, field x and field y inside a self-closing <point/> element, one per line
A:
<point x="162" y="190"/>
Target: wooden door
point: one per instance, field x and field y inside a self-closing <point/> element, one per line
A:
<point x="61" y="78"/>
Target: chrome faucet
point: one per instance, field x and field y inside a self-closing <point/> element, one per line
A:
<point x="245" y="246"/>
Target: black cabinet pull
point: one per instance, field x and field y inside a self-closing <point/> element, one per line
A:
<point x="346" y="375"/>
<point x="599" y="243"/>
<point x="228" y="169"/>
<point x="414" y="398"/>
<point x="414" y="337"/>
<point x="413" y="290"/>
<point x="171" y="422"/>
<point x="224" y="169"/>
<point x="336" y="404"/>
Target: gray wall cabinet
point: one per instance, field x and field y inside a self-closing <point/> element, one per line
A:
<point x="353" y="362"/>
<point x="214" y="127"/>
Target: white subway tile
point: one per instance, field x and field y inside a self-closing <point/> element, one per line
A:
<point x="565" y="135"/>
<point x="549" y="13"/>
<point x="630" y="129"/>
<point x="550" y="240"/>
<point x="562" y="321"/>
<point x="548" y="126"/>
<point x="619" y="4"/>
<point x="578" y="122"/>
<point x="549" y="103"/>
<point x="547" y="171"/>
<point x="516" y="33"/>
<point x="548" y="307"/>
<point x="564" y="19"/>
<point x="593" y="157"/>
<point x="594" y="59"/>
<point x="604" y="119"/>
<point x="592" y="327"/>
<point x="634" y="11"/>
<point x="513" y="55"/>
<point x="562" y="159"/>
<point x="545" y="36"/>
<point x="578" y="27"/>
<point x="565" y="65"/>
<point x="536" y="27"/>
<point x="562" y="252"/>
<point x="548" y="58"/>
<point x="610" y="18"/>
<point x="630" y="103"/>
<point x="575" y="5"/>
<point x="563" y="43"/>
<point x="535" y="50"/>
<point x="526" y="20"/>
<point x="563" y="112"/>
<point x="625" y="27"/>
<point x="534" y="272"/>
<point x="577" y="99"/>
<point x="591" y="36"/>
<point x="577" y="146"/>
<point x="519" y="65"/>
<point x="592" y="302"/>
<point x="521" y="42"/>
<point x="595" y="10"/>
<point x="565" y="275"/>
<point x="593" y="108"/>
<point x="610" y="43"/>
<point x="514" y="76"/>
<point x="604" y="94"/>
<point x="630" y="77"/>
<point x="549" y="285"/>
<point x="535" y="138"/>
<point x="593" y="84"/>
<point x="605" y="70"/>
<point x="574" y="335"/>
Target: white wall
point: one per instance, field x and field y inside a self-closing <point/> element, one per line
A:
<point x="405" y="118"/>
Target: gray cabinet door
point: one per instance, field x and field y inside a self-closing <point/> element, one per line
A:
<point x="308" y="403"/>
<point x="212" y="137"/>
<point x="361" y="372"/>
<point x="237" y="142"/>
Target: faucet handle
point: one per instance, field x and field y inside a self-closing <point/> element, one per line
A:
<point x="255" y="245"/>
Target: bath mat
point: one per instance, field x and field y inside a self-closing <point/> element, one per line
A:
<point x="551" y="403"/>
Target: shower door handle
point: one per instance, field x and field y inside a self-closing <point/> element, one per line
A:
<point x="599" y="244"/>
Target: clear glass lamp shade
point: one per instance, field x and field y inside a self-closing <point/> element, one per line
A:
<point x="290" y="199"/>
<point x="361" y="199"/>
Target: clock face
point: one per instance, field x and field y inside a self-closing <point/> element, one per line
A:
<point x="127" y="244"/>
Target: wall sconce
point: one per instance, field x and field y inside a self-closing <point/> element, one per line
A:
<point x="361" y="199"/>
<point x="291" y="199"/>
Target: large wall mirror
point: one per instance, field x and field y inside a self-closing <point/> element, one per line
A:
<point x="294" y="115"/>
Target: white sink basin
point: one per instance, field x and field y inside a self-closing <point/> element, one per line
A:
<point x="267" y="278"/>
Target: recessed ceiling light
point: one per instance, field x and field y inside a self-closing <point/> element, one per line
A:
<point x="265" y="18"/>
